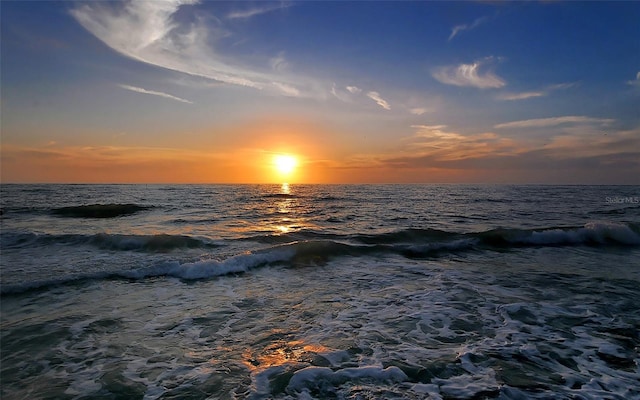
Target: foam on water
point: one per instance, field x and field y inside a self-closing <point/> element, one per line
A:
<point x="316" y="249"/>
<point x="390" y="292"/>
<point x="212" y="268"/>
<point x="591" y="233"/>
<point x="395" y="329"/>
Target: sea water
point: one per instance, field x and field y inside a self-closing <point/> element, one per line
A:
<point x="320" y="291"/>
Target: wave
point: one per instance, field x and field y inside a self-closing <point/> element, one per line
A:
<point x="318" y="249"/>
<point x="187" y="271"/>
<point x="99" y="210"/>
<point x="591" y="234"/>
<point x="292" y="254"/>
<point x="150" y="243"/>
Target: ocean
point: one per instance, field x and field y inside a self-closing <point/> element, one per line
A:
<point x="320" y="291"/>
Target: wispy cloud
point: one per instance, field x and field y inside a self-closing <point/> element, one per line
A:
<point x="375" y="96"/>
<point x="469" y="75"/>
<point x="286" y="89"/>
<point x="582" y="155"/>
<point x="147" y="31"/>
<point x="252" y="12"/>
<point x="467" y="27"/>
<point x="538" y="93"/>
<point x="553" y="121"/>
<point x="279" y="63"/>
<point x="442" y="144"/>
<point x="347" y="94"/>
<point x="418" y="111"/>
<point x="635" y="82"/>
<point x="155" y="93"/>
<point x="521" y="95"/>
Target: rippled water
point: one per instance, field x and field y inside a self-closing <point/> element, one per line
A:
<point x="387" y="291"/>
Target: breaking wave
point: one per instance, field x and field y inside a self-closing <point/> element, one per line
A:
<point x="411" y="243"/>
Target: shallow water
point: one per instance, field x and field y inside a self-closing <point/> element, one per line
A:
<point x="259" y="292"/>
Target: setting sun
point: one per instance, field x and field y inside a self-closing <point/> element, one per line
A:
<point x="285" y="164"/>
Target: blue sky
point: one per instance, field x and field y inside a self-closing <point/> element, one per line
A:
<point x="541" y="92"/>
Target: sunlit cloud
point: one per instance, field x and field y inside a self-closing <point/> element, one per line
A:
<point x="148" y="31"/>
<point x="553" y="121"/>
<point x="286" y="89"/>
<point x="442" y="144"/>
<point x="347" y="94"/>
<point x="418" y="111"/>
<point x="435" y="152"/>
<point x="467" y="27"/>
<point x="521" y="95"/>
<point x="155" y="93"/>
<point x="375" y="96"/>
<point x="591" y="143"/>
<point x="539" y="93"/>
<point x="469" y="75"/>
<point x="252" y="12"/>
<point x="635" y="82"/>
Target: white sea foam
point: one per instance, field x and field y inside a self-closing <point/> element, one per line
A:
<point x="592" y="232"/>
<point x="371" y="307"/>
<point x="211" y="268"/>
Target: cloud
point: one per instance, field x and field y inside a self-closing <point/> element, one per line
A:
<point x="553" y="121"/>
<point x="466" y="27"/>
<point x="539" y="93"/>
<point x="469" y="75"/>
<point x="155" y="93"/>
<point x="352" y="93"/>
<point x="418" y="111"/>
<point x="252" y="12"/>
<point x="375" y="96"/>
<point x="279" y="63"/>
<point x="521" y="96"/>
<point x="582" y="155"/>
<point x="347" y="94"/>
<point x="441" y="144"/>
<point x="635" y="82"/>
<point x="147" y="31"/>
<point x="286" y="89"/>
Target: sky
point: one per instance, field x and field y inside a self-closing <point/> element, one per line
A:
<point x="185" y="91"/>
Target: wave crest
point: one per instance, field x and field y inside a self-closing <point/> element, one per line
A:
<point x="408" y="243"/>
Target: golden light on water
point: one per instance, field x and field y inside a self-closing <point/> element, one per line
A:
<point x="285" y="189"/>
<point x="282" y="352"/>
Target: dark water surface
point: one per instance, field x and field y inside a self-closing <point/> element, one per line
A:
<point x="320" y="291"/>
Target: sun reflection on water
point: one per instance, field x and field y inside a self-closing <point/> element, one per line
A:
<point x="287" y="205"/>
<point x="282" y="352"/>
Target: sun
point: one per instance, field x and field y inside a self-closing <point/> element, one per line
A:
<point x="285" y="164"/>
